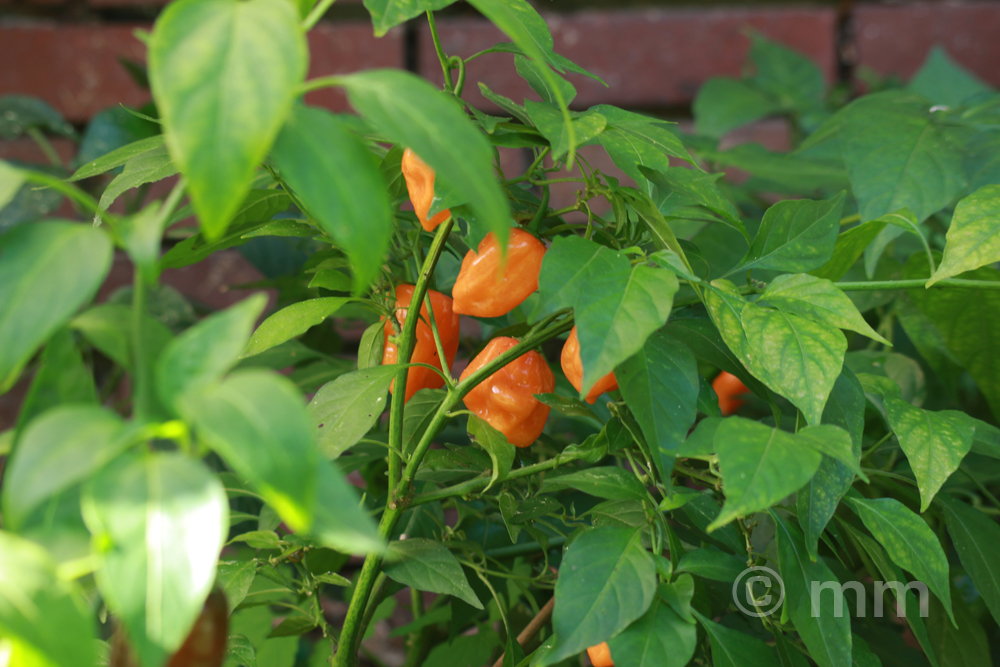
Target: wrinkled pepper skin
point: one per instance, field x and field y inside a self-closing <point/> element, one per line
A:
<point x="420" y="185"/>
<point x="572" y="367"/>
<point x="481" y="290"/>
<point x="505" y="399"/>
<point x="727" y="387"/>
<point x="424" y="350"/>
<point x="600" y="655"/>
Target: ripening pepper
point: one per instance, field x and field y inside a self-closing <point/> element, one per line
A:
<point x="572" y="366"/>
<point x="482" y="290"/>
<point x="424" y="350"/>
<point x="727" y="387"/>
<point x="505" y="400"/>
<point x="420" y="185"/>
<point x="600" y="655"/>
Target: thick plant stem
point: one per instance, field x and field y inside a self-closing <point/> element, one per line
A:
<point x="406" y="344"/>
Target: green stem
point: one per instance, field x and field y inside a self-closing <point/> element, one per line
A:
<point x="316" y="14"/>
<point x="45" y="145"/>
<point x="68" y="189"/>
<point x="445" y="66"/>
<point x="321" y="82"/>
<point x="525" y="548"/>
<point x="536" y="220"/>
<point x="458" y="64"/>
<point x="407" y="341"/>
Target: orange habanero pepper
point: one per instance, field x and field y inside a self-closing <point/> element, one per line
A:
<point x="600" y="655"/>
<point x="573" y="369"/>
<point x="424" y="351"/>
<point x="420" y="185"/>
<point x="506" y="399"/>
<point x="481" y="290"/>
<point x="727" y="387"/>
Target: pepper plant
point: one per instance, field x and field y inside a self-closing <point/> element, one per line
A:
<point x="847" y="285"/>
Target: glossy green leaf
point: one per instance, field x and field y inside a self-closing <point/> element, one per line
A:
<point x="370" y="348"/>
<point x="58" y="449"/>
<point x="977" y="541"/>
<point x="257" y="422"/>
<point x="411" y="112"/>
<point x="849" y="247"/>
<point x="934" y="442"/>
<point x="732" y="648"/>
<point x="426" y="565"/>
<point x="760" y="465"/>
<point x="974" y="234"/>
<point x="833" y="442"/>
<point x="40" y="611"/>
<point x="388" y="14"/>
<point x="817" y="299"/>
<point x="205" y="352"/>
<point x="338" y="180"/>
<point x="608" y="581"/>
<point x="660" y="386"/>
<point x="48" y="271"/>
<point x="496" y="445"/>
<point x="222" y="109"/>
<point x="292" y="321"/>
<point x="898" y="156"/>
<point x="345" y="409"/>
<point x="826" y="633"/>
<point x="909" y="541"/>
<point x="943" y="81"/>
<point x="795" y="235"/>
<point x="661" y="638"/>
<point x="609" y="482"/>
<point x="724" y="104"/>
<point x="160" y="520"/>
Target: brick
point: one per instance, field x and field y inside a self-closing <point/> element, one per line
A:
<point x="896" y="39"/>
<point x="342" y="48"/>
<point x="74" y="68"/>
<point x="650" y="58"/>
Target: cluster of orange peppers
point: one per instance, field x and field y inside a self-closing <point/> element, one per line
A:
<point x="485" y="287"/>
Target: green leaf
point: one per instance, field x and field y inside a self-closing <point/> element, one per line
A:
<point x="11" y="180"/>
<point x="817" y="299"/>
<point x="62" y="378"/>
<point x="586" y="126"/>
<point x="608" y="581"/>
<point x="257" y="422"/>
<point x="18" y="113"/>
<point x="259" y="539"/>
<point x="981" y="161"/>
<point x="724" y="104"/>
<point x="787" y="76"/>
<point x="341" y="522"/>
<point x="732" y="648"/>
<point x="969" y="324"/>
<point x="417" y="415"/>
<point x="571" y="407"/>
<point x="934" y="442"/>
<point x="711" y="564"/>
<point x="661" y="638"/>
<point x="345" y="409"/>
<point x="943" y="81"/>
<point x="616" y="306"/>
<point x="205" y="352"/>
<point x="609" y="482"/>
<point x="370" y="348"/>
<point x="696" y="187"/>
<point x="292" y="321"/>
<point x="161" y="520"/>
<point x="241" y="651"/>
<point x="495" y="443"/>
<point x="108" y="327"/>
<point x="826" y="633"/>
<point x="58" y="449"/>
<point x="703" y="338"/>
<point x="800" y="358"/>
<point x="293" y="626"/>
<point x="977" y="542"/>
<point x="818" y="500"/>
<point x="338" y="180"/>
<point x="117" y="158"/>
<point x="660" y="386"/>
<point x="833" y="442"/>
<point x="411" y="112"/>
<point x="909" y="541"/>
<point x="48" y="271"/>
<point x="147" y="167"/>
<point x="426" y="565"/>
<point x="235" y="579"/>
<point x="796" y="235"/>
<point x="222" y="110"/>
<point x="632" y="139"/>
<point x="898" y="156"/>
<point x="760" y="465"/>
<point x="388" y="14"/>
<point x="549" y="86"/>
<point x="974" y="235"/>
<point x="963" y="646"/>
<point x="41" y="611"/>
